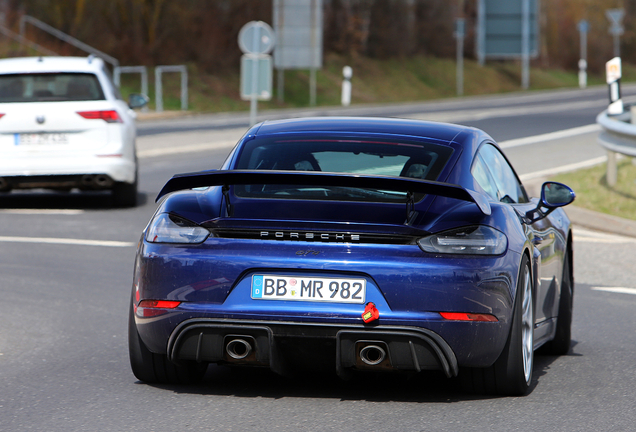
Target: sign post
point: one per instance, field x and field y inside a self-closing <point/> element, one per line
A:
<point x="459" y="36"/>
<point x="256" y="39"/>
<point x="583" y="27"/>
<point x="347" y="73"/>
<point x="614" y="73"/>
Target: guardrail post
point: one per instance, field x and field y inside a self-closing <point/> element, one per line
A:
<point x="159" y="88"/>
<point x="612" y="169"/>
<point x="133" y="69"/>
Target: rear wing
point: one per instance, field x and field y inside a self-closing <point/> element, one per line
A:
<point x="313" y="178"/>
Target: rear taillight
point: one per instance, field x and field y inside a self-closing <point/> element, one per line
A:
<point x="1" y="115"/>
<point x="109" y="116"/>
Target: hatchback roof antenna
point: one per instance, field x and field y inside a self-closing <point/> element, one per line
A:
<point x="90" y="58"/>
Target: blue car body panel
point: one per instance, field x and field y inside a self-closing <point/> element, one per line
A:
<point x="409" y="287"/>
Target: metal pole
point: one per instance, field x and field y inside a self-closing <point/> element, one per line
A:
<point x="158" y="91"/>
<point x="459" y="35"/>
<point x="481" y="32"/>
<point x="617" y="45"/>
<point x="254" y="89"/>
<point x="312" y="72"/>
<point x="144" y="86"/>
<point x="281" y="85"/>
<point x="525" y="44"/>
<point x="184" y="89"/>
<point x="280" y="94"/>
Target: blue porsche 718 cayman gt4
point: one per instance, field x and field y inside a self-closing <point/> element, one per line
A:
<point x="357" y="244"/>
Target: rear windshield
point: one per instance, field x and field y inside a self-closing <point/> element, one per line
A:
<point x="49" y="87"/>
<point x="357" y="156"/>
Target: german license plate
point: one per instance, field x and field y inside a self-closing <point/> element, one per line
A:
<point x="302" y="288"/>
<point x="41" y="138"/>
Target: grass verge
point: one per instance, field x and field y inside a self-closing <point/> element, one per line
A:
<point x="593" y="192"/>
<point x="413" y="79"/>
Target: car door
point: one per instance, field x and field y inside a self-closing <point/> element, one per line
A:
<point x="502" y="184"/>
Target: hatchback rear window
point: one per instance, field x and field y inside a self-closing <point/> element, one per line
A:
<point x="351" y="155"/>
<point x="50" y="87"/>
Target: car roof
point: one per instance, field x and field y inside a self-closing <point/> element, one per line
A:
<point x="50" y="64"/>
<point x="375" y="125"/>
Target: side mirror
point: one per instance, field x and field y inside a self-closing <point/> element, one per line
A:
<point x="137" y="100"/>
<point x="553" y="195"/>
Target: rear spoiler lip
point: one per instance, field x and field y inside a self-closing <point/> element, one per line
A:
<point x="313" y="178"/>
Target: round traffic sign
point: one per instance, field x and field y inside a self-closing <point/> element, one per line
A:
<point x="256" y="37"/>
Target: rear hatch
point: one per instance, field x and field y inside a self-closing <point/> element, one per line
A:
<point x="53" y="115"/>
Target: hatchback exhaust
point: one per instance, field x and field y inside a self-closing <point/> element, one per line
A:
<point x="103" y="180"/>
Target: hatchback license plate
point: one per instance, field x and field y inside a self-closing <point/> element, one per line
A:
<point x="41" y="138"/>
<point x="302" y="288"/>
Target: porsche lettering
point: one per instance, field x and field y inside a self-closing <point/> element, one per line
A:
<point x="285" y="235"/>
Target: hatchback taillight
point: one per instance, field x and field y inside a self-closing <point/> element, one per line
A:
<point x="109" y="116"/>
<point x="1" y="115"/>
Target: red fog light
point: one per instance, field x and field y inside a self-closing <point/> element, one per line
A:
<point x="153" y="308"/>
<point x="159" y="304"/>
<point x="461" y="316"/>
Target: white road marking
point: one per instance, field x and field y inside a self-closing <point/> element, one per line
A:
<point x="191" y="148"/>
<point x="566" y="133"/>
<point x="589" y="236"/>
<point x="66" y="241"/>
<point x="619" y="290"/>
<point x="42" y="211"/>
<point x="457" y="116"/>
<point x="563" y="168"/>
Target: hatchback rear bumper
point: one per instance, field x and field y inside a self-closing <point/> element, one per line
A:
<point x="87" y="172"/>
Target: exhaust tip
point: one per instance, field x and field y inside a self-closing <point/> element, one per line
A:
<point x="103" y="180"/>
<point x="4" y="184"/>
<point x="87" y="180"/>
<point x="238" y="348"/>
<point x="372" y="355"/>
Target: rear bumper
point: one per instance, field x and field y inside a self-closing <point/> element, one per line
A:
<point x="266" y="344"/>
<point x="23" y="173"/>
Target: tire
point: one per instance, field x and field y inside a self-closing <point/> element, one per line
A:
<point x="560" y="345"/>
<point x="511" y="374"/>
<point x="156" y="368"/>
<point x="125" y="194"/>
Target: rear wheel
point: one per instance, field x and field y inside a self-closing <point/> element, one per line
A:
<point x="560" y="345"/>
<point x="512" y="372"/>
<point x="156" y="368"/>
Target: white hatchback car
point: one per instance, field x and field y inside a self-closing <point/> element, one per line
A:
<point x="64" y="125"/>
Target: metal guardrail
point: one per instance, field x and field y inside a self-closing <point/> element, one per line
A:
<point x="65" y="37"/>
<point x="159" y="70"/>
<point x="133" y="69"/>
<point x="618" y="135"/>
<point x="24" y="41"/>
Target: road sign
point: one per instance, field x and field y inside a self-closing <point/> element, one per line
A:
<point x="260" y="86"/>
<point x="256" y="37"/>
<point x="615" y="17"/>
<point x="583" y="26"/>
<point x="501" y="29"/>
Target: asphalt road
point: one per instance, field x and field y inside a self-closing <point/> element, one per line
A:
<point x="66" y="271"/>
